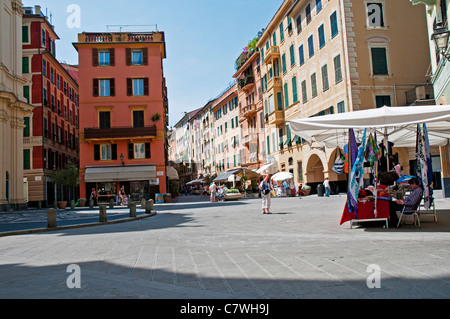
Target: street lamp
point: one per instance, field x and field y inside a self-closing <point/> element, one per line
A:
<point x="440" y="37"/>
<point x="121" y="158"/>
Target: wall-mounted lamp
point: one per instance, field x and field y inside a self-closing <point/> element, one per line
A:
<point x="440" y="37"/>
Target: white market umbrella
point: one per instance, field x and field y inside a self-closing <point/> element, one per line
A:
<point x="398" y="124"/>
<point x="282" y="176"/>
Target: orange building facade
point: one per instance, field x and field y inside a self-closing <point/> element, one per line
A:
<point x="123" y="114"/>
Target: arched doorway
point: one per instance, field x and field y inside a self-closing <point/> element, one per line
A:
<point x="314" y="172"/>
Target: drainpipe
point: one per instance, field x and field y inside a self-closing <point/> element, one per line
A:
<point x="344" y="58"/>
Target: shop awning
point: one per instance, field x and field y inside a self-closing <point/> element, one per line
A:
<point x="172" y="173"/>
<point x="120" y="173"/>
<point x="263" y="168"/>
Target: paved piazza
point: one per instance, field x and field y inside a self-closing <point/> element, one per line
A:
<point x="195" y="249"/>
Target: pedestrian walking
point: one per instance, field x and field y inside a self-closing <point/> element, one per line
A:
<point x="264" y="186"/>
<point x="326" y="184"/>
<point x="212" y="189"/>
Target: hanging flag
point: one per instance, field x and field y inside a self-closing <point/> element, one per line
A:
<point x="372" y="152"/>
<point x="356" y="177"/>
<point x="428" y="199"/>
<point x="422" y="166"/>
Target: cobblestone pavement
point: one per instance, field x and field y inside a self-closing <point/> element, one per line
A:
<point x="195" y="249"/>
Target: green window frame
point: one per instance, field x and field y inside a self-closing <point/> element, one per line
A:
<point x="294" y="90"/>
<point x="281" y="32"/>
<point x="283" y="62"/>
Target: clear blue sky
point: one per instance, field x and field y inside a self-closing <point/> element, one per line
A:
<point x="203" y="38"/>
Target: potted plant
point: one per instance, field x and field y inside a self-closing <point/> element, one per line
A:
<point x="156" y="117"/>
<point x="82" y="202"/>
<point x="167" y="198"/>
<point x="306" y="189"/>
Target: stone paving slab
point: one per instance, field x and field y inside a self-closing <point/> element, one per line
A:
<point x="194" y="249"/>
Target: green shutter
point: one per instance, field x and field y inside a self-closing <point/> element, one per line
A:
<point x="26" y="129"/>
<point x="379" y="61"/>
<point x="26" y="159"/>
<point x="25" y="68"/>
<point x="283" y="59"/>
<point x="25" y="34"/>
<point x="286" y="95"/>
<point x="294" y="90"/>
<point x="26" y="93"/>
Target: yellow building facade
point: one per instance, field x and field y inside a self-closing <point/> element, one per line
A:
<point x="13" y="107"/>
<point x="330" y="56"/>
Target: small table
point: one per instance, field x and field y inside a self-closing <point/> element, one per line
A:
<point x="366" y="212"/>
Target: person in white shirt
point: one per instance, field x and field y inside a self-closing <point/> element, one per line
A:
<point x="326" y="184"/>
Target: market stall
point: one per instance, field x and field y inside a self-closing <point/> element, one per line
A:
<point x="412" y="126"/>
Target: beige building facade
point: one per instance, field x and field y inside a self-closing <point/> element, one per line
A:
<point x="13" y="107"/>
<point x="331" y="56"/>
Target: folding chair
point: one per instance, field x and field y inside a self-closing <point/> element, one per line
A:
<point x="428" y="211"/>
<point x="414" y="212"/>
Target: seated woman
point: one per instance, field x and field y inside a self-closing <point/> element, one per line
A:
<point x="410" y="203"/>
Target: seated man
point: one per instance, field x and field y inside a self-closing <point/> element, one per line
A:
<point x="410" y="202"/>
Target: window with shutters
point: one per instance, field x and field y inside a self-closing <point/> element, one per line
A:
<point x="313" y="85"/>
<point x="104" y="87"/>
<point x="139" y="150"/>
<point x="105" y="152"/>
<point x="138" y="86"/>
<point x="137" y="56"/>
<point x="104" y="119"/>
<point x="103" y="58"/>
<point x="337" y="68"/>
<point x="138" y="118"/>
<point x="379" y="61"/>
<point x="321" y="32"/>
<point x="325" y="82"/>
<point x="311" y="46"/>
<point x="25" y="65"/>
<point x="26" y="159"/>
<point x="334" y="24"/>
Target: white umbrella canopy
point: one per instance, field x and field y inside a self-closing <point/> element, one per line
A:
<point x="398" y="123"/>
<point x="282" y="176"/>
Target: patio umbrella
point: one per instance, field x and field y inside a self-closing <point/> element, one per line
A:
<point x="282" y="176"/>
<point x="398" y="124"/>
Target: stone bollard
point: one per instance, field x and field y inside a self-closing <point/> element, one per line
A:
<point x="149" y="206"/>
<point x="133" y="210"/>
<point x="143" y="203"/>
<point x="91" y="203"/>
<point x="55" y="205"/>
<point x="111" y="203"/>
<point x="51" y="218"/>
<point x="102" y="217"/>
<point x="72" y="204"/>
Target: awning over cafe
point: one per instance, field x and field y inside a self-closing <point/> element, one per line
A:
<point x="120" y="173"/>
<point x="172" y="173"/>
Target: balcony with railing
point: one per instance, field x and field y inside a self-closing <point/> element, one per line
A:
<point x="276" y="117"/>
<point x="250" y="138"/>
<point x="248" y="111"/>
<point x="101" y="37"/>
<point x="119" y="132"/>
<point x="272" y="53"/>
<point x="247" y="83"/>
